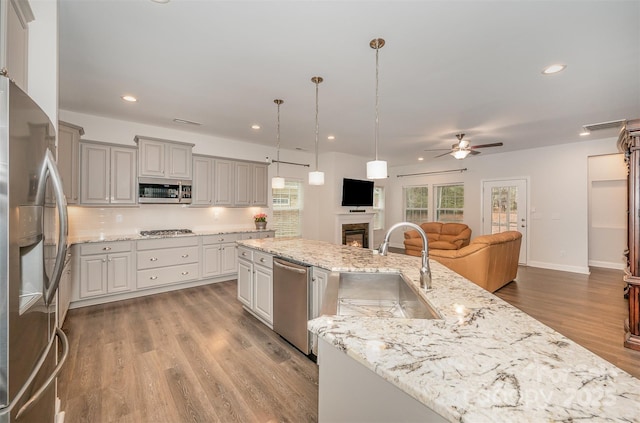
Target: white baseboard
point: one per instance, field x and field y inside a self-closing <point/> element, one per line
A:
<point x="564" y="268"/>
<point x="607" y="264"/>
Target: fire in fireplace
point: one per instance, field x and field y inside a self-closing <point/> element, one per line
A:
<point x="355" y="234"/>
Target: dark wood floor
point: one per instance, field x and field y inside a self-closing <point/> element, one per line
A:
<point x="196" y="356"/>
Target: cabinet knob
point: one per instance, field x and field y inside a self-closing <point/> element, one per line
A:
<point x="220" y="239"/>
<point x="244" y="254"/>
<point x="185" y="255"/>
<point x="153" y="278"/>
<point x="104" y="260"/>
<point x="110" y="259"/>
<point x="185" y="273"/>
<point x="153" y="259"/>
<point x="106" y="248"/>
<point x="262" y="260"/>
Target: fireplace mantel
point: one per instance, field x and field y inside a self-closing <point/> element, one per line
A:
<point x="345" y="218"/>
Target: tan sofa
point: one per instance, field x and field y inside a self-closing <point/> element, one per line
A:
<point x="441" y="236"/>
<point x="490" y="261"/>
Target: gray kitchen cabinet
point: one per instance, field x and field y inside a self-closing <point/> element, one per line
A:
<point x="243" y="180"/>
<point x="219" y="255"/>
<point x="223" y="182"/>
<point x="107" y="174"/>
<point x="68" y="159"/>
<point x="255" y="283"/>
<point x="166" y="261"/>
<point x="105" y="268"/>
<point x="202" y="186"/>
<point x="64" y="289"/>
<point x="260" y="185"/>
<point x="259" y="234"/>
<point x="319" y="279"/>
<point x="164" y="159"/>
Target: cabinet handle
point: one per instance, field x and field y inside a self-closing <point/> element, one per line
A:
<point x="110" y="260"/>
<point x="185" y="273"/>
<point x="185" y="255"/>
<point x="104" y="260"/>
<point x="244" y="254"/>
<point x="153" y="278"/>
<point x="262" y="260"/>
<point x="220" y="239"/>
<point x="106" y="248"/>
<point x="153" y="259"/>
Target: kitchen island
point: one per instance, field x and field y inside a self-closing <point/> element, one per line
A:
<point x="482" y="360"/>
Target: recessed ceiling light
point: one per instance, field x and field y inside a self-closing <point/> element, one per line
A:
<point x="585" y="132"/>
<point x="129" y="98"/>
<point x="255" y="126"/>
<point x="160" y="1"/>
<point x="331" y="137"/>
<point x="420" y="159"/>
<point x="553" y="69"/>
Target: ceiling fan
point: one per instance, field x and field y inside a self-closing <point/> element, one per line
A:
<point x="462" y="149"/>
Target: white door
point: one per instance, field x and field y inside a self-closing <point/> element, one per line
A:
<point x="504" y="208"/>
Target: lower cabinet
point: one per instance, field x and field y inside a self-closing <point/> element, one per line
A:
<point x="105" y="268"/>
<point x="255" y="283"/>
<point x="166" y="261"/>
<point x="219" y="256"/>
<point x="319" y="278"/>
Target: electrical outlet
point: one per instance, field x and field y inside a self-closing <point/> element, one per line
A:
<point x="118" y="218"/>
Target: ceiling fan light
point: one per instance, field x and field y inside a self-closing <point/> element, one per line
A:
<point x="316" y="178"/>
<point x="277" y="182"/>
<point x="377" y="169"/>
<point x="460" y="154"/>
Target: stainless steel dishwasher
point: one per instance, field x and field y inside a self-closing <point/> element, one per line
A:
<point x="291" y="302"/>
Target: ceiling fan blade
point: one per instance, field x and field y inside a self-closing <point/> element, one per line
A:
<point x="443" y="154"/>
<point x="438" y="149"/>
<point x="495" y="144"/>
<point x="473" y="152"/>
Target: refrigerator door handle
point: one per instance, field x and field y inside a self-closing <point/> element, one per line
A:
<point x="52" y="377"/>
<point x="49" y="167"/>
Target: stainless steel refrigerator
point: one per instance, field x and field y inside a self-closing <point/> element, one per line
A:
<point x="33" y="242"/>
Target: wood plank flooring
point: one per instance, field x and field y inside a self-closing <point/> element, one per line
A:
<point x="186" y="356"/>
<point x="196" y="356"/>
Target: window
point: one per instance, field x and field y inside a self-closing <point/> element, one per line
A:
<point x="449" y="203"/>
<point x="416" y="204"/>
<point x="378" y="208"/>
<point x="287" y="209"/>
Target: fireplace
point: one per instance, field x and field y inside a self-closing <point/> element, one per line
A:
<point x="355" y="234"/>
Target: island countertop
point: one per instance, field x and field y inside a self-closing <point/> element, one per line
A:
<point x="484" y="360"/>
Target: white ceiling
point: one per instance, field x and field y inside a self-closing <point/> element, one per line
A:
<point x="447" y="67"/>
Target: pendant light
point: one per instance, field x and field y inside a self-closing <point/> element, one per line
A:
<point x="316" y="177"/>
<point x="377" y="169"/>
<point x="277" y="182"/>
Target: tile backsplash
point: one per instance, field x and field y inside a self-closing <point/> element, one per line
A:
<point x="109" y="221"/>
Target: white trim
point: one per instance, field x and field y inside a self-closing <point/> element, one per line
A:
<point x="563" y="268"/>
<point x="607" y="264"/>
<point x="346" y="218"/>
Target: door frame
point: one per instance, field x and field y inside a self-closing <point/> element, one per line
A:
<point x="526" y="212"/>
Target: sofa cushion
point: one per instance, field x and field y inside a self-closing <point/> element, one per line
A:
<point x="441" y="236"/>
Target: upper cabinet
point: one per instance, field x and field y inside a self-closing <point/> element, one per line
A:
<point x="68" y="158"/>
<point x="226" y="182"/>
<point x="107" y="174"/>
<point x="14" y="49"/>
<point x="159" y="158"/>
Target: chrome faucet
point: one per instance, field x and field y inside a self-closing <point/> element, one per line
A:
<point x="425" y="271"/>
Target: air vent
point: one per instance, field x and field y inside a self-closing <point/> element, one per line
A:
<point x="186" y="122"/>
<point x="604" y="125"/>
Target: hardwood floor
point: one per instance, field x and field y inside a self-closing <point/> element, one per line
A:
<point x="589" y="309"/>
<point x="185" y="356"/>
<point x="196" y="356"/>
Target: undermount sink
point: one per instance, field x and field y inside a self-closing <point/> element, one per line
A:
<point x="368" y="294"/>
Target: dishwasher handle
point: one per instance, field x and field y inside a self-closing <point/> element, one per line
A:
<point x="289" y="268"/>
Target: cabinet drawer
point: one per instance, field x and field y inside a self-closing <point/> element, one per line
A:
<point x="263" y="259"/>
<point x="105" y="247"/>
<point x="217" y="239"/>
<point x="167" y="257"/>
<point x="258" y="235"/>
<point x="154" y="277"/>
<point x="182" y="241"/>
<point x="245" y="253"/>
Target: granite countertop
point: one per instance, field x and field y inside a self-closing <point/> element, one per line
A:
<point x="485" y="360"/>
<point x="136" y="236"/>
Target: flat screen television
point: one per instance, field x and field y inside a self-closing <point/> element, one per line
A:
<point x="357" y="193"/>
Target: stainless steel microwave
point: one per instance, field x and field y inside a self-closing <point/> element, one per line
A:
<point x="163" y="191"/>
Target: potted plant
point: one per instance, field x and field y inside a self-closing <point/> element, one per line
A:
<point x="261" y="220"/>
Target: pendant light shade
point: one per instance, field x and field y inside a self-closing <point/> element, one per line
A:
<point x="316" y="177"/>
<point x="277" y="182"/>
<point x="377" y="169"/>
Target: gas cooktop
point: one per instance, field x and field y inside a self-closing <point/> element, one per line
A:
<point x="166" y="232"/>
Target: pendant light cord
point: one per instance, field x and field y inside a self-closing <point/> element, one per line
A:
<point x="317" y="81"/>
<point x="377" y="129"/>
<point x="278" y="102"/>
